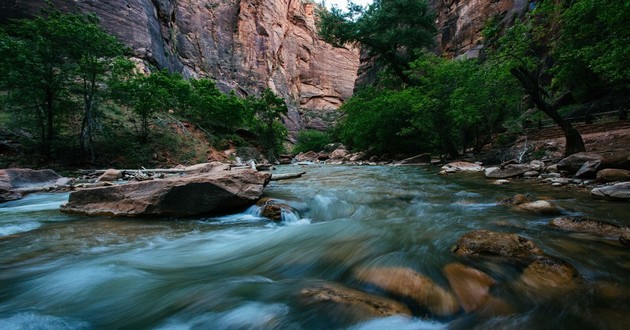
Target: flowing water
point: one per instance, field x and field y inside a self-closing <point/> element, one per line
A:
<point x="244" y="272"/>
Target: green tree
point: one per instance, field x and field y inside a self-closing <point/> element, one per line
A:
<point x="268" y="109"/>
<point x="390" y="30"/>
<point x="311" y="140"/>
<point x="151" y="93"/>
<point x="525" y="50"/>
<point x="210" y="108"/>
<point x="36" y="69"/>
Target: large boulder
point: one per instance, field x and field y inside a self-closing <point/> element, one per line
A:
<point x="588" y="169"/>
<point x="462" y="167"/>
<point x="213" y="192"/>
<point x="408" y="284"/>
<point x="613" y="175"/>
<point x="491" y="243"/>
<point x="16" y="182"/>
<point x="339" y="154"/>
<point x="574" y="162"/>
<point x="471" y="286"/>
<point x="619" y="191"/>
<point x="586" y="225"/>
<point x="350" y="303"/>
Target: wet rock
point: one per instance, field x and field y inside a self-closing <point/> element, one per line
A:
<point x="613" y="175"/>
<point x="540" y="207"/>
<point x="574" y="163"/>
<point x="516" y="200"/>
<point x="17" y="182"/>
<point x="586" y="225"/>
<point x="490" y="243"/>
<point x="207" y="193"/>
<point x="409" y="284"/>
<point x="471" y="286"/>
<point x="462" y="167"/>
<point x="549" y="275"/>
<point x="502" y="182"/>
<point x="273" y="209"/>
<point x="508" y="171"/>
<point x="352" y="303"/>
<point x="619" y="191"/>
<point x="589" y="169"/>
<point x="550" y="175"/>
<point x="110" y="175"/>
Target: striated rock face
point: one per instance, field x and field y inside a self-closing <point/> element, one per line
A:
<point x="245" y="45"/>
<point x="460" y="22"/>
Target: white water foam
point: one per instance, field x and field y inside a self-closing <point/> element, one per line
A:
<point x="399" y="323"/>
<point x="34" y="321"/>
<point x="10" y="229"/>
<point x="251" y="315"/>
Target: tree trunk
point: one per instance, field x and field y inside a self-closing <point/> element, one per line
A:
<point x="531" y="85"/>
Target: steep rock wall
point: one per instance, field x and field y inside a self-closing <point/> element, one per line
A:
<point x="461" y="22"/>
<point x="244" y="45"/>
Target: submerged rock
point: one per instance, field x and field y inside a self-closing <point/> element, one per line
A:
<point x="471" y="286"/>
<point x="619" y="191"/>
<point x="409" y="284"/>
<point x="352" y="303"/>
<point x="540" y="207"/>
<point x="521" y="202"/>
<point x="16" y="182"/>
<point x="490" y="243"/>
<point x="549" y="275"/>
<point x="212" y="192"/>
<point x="586" y="225"/>
<point x="273" y="208"/>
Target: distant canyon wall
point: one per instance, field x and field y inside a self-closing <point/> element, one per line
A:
<point x="244" y="45"/>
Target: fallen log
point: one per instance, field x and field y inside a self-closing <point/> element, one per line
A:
<point x="286" y="176"/>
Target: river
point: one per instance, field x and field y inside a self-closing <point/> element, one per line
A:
<point x="241" y="271"/>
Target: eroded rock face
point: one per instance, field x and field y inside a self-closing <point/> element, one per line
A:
<point x="409" y="284"/>
<point x="212" y="192"/>
<point x="491" y="243"/>
<point x="358" y="304"/>
<point x="460" y="22"/>
<point x="245" y="45"/>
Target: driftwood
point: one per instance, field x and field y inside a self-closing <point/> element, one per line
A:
<point x="286" y="176"/>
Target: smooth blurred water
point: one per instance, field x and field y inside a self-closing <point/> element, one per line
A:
<point x="242" y="271"/>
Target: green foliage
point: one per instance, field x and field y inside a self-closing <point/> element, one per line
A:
<point x="268" y="110"/>
<point x="390" y="30"/>
<point x="594" y="45"/>
<point x="211" y="109"/>
<point x="378" y="121"/>
<point x="311" y="140"/>
<point x="149" y="94"/>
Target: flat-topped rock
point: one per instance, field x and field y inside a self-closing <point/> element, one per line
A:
<point x="462" y="167"/>
<point x="619" y="191"/>
<point x="491" y="243"/>
<point x="213" y="192"/>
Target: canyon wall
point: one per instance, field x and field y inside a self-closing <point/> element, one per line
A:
<point x="244" y="45"/>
